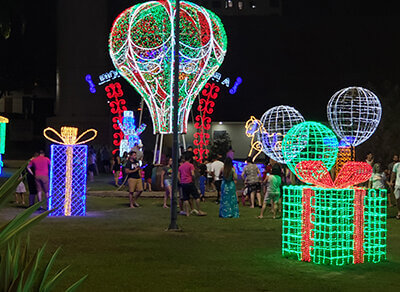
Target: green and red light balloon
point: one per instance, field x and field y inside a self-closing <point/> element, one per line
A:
<point x="141" y="48"/>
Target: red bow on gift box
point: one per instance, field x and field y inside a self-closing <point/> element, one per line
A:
<point x="316" y="173"/>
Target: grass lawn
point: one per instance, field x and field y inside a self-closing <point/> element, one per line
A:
<point x="126" y="249"/>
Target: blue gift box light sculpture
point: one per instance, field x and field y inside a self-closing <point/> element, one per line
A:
<point x="67" y="190"/>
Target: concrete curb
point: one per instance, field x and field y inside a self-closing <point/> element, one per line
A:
<point x="124" y="194"/>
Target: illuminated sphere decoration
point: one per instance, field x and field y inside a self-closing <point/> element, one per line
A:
<point x="310" y="141"/>
<point x="276" y="122"/>
<point x="141" y="46"/>
<point x="354" y="114"/>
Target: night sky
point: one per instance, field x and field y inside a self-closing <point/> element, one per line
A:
<point x="304" y="56"/>
<point x="300" y="58"/>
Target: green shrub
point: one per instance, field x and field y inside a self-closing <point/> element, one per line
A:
<point x="19" y="270"/>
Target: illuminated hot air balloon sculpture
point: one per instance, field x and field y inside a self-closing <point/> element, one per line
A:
<point x="141" y="47"/>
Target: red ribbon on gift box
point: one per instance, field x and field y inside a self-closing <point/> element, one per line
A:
<point x="316" y="173"/>
<point x="306" y="229"/>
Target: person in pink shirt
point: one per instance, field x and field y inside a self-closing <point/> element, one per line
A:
<point x="185" y="176"/>
<point x="41" y="165"/>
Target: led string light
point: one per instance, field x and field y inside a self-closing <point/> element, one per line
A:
<point x="140" y="46"/>
<point x="331" y="223"/>
<point x="131" y="134"/>
<point x="334" y="226"/>
<point x="309" y="141"/>
<point x="276" y="122"/>
<point x="307" y="227"/>
<point x="345" y="154"/>
<point x="315" y="172"/>
<point x="67" y="192"/>
<point x="354" y="114"/>
<point x="358" y="226"/>
<point x="117" y="108"/>
<point x="239" y="166"/>
<point x="92" y="86"/>
<point x="253" y="127"/>
<point x="203" y="121"/>
<point x="375" y="229"/>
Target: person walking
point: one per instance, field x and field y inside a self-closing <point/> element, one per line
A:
<point x="395" y="159"/>
<point x="166" y="181"/>
<point x="41" y="166"/>
<point x="148" y="172"/>
<point x="105" y="159"/>
<point x="210" y="184"/>
<point x="30" y="178"/>
<point x="378" y="177"/>
<point x="395" y="181"/>
<point x="251" y="176"/>
<point x="91" y="163"/>
<point x="217" y="167"/>
<point x="202" y="181"/>
<point x="116" y="167"/>
<point x="19" y="192"/>
<point x="132" y="170"/>
<point x="273" y="193"/>
<point x="229" y="207"/>
<point x="186" y="179"/>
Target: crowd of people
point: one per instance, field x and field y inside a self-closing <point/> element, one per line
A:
<point x="386" y="177"/>
<point x="215" y="174"/>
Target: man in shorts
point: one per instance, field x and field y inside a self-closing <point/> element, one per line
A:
<point x="41" y="165"/>
<point x="132" y="170"/>
<point x="185" y="176"/>
<point x="395" y="180"/>
<point x="252" y="179"/>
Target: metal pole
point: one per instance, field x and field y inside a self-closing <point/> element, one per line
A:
<point x="175" y="145"/>
<point x="161" y="144"/>
<point x="183" y="141"/>
<point x="155" y="149"/>
<point x="141" y="112"/>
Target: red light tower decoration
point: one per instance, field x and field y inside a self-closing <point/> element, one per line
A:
<point x="117" y="105"/>
<point x="203" y="120"/>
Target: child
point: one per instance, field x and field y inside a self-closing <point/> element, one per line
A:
<point x="166" y="181"/>
<point x="19" y="193"/>
<point x="273" y="192"/>
<point x="245" y="195"/>
<point x="202" y="181"/>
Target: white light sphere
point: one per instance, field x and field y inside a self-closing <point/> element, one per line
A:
<point x="354" y="114"/>
<point x="276" y="122"/>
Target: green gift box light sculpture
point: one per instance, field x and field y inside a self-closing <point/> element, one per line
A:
<point x="3" y="122"/>
<point x="329" y="222"/>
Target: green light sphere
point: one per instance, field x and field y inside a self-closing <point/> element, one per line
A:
<point x="310" y="141"/>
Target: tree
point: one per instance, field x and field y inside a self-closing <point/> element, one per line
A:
<point x="221" y="144"/>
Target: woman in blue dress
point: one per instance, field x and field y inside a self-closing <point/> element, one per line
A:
<point x="228" y="207"/>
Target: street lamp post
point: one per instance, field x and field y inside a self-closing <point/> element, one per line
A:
<point x="175" y="146"/>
